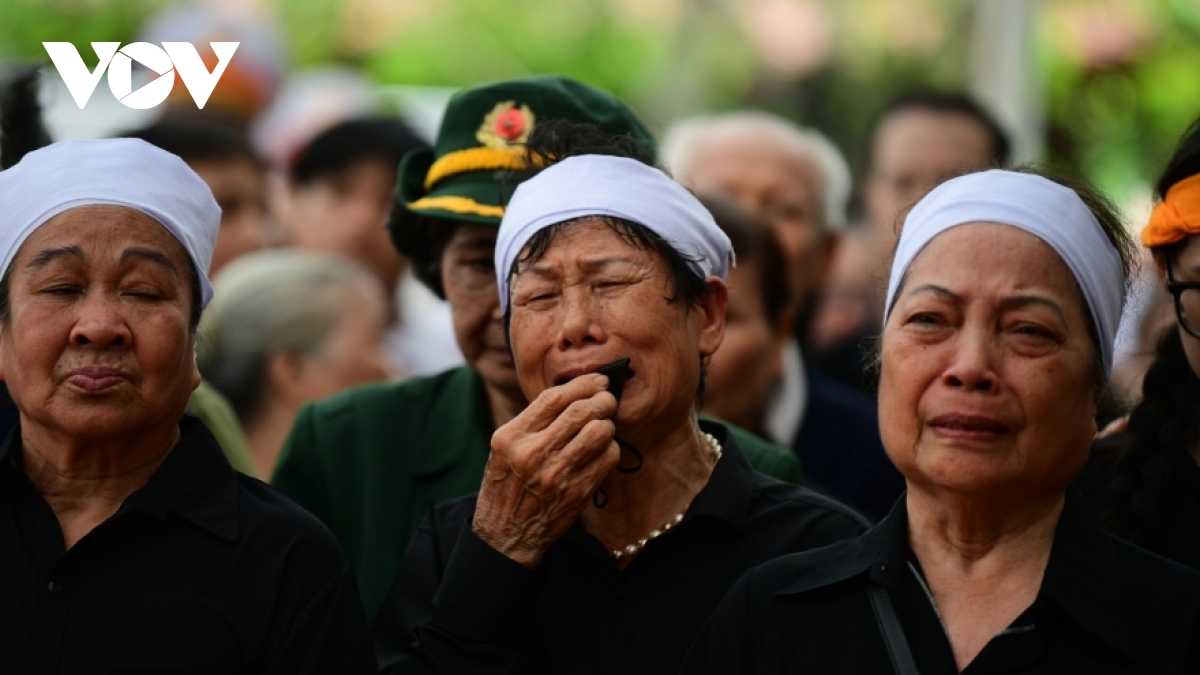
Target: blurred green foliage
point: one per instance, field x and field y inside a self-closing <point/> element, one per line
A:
<point x="1114" y="121"/>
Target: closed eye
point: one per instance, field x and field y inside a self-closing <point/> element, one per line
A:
<point x="924" y="318"/>
<point x="61" y="290"/>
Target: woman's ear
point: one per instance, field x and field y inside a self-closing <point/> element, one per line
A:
<point x="713" y="306"/>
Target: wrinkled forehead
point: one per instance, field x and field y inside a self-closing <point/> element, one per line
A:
<point x="993" y="258"/>
<point x="586" y="244"/>
<point x="102" y="233"/>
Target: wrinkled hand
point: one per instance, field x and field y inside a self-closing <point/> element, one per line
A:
<point x="545" y="465"/>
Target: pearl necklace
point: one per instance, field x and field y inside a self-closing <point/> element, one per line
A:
<point x="634" y="549"/>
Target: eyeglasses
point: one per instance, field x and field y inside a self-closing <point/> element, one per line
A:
<point x="1187" y="302"/>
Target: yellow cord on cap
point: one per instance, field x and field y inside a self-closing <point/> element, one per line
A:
<point x="475" y="159"/>
<point x="458" y="205"/>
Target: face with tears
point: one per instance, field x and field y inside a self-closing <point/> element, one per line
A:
<point x="587" y="293"/>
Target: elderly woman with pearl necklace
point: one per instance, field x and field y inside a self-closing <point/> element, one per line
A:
<point x="610" y="519"/>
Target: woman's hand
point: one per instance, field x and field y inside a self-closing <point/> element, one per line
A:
<point x="545" y="465"/>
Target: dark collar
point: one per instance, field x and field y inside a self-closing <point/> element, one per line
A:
<point x="729" y="490"/>
<point x="1081" y="576"/>
<point x="880" y="550"/>
<point x="194" y="482"/>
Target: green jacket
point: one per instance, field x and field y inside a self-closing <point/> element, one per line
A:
<point x="371" y="462"/>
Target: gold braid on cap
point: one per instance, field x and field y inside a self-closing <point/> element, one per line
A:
<point x="475" y="159"/>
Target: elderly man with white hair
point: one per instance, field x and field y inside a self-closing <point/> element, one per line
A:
<point x="798" y="181"/>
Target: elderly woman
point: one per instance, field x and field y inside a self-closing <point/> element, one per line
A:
<point x="128" y="543"/>
<point x="610" y="521"/>
<point x="289" y="327"/>
<point x="1001" y="311"/>
<point x="371" y="462"/>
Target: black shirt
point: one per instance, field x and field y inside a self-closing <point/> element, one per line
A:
<point x="1105" y="606"/>
<point x="202" y="570"/>
<point x="459" y="606"/>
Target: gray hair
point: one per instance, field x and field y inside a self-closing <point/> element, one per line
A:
<point x="682" y="139"/>
<point x="284" y="300"/>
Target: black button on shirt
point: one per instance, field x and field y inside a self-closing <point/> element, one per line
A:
<point x="202" y="570"/>
<point x="459" y="606"/>
<point x="1104" y="607"/>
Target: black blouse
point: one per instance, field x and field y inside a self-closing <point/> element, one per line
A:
<point x="202" y="570"/>
<point x="1105" y="606"/>
<point x="459" y="606"/>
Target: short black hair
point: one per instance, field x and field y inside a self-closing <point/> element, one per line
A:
<point x="1185" y="163"/>
<point x="944" y="102"/>
<point x="197" y="140"/>
<point x="334" y="149"/>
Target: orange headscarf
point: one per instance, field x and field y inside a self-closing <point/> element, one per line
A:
<point x="1175" y="217"/>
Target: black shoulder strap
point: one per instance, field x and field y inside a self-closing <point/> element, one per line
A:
<point x="893" y="632"/>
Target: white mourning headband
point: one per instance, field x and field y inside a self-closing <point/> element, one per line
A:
<point x="600" y="185"/>
<point x="116" y="172"/>
<point x="1049" y="211"/>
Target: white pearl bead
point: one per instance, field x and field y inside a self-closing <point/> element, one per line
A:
<point x="634" y="549"/>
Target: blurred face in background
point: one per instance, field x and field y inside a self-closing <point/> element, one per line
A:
<point x="469" y="279"/>
<point x="772" y="180"/>
<point x="743" y="372"/>
<point x="239" y="186"/>
<point x="915" y="149"/>
<point x="344" y="212"/>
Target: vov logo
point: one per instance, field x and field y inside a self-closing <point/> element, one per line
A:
<point x="179" y="57"/>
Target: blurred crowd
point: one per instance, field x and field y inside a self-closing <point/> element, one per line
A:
<point x="357" y="357"/>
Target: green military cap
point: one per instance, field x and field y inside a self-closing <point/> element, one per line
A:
<point x="464" y="177"/>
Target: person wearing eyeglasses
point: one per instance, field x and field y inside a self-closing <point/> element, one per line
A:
<point x="1145" y="481"/>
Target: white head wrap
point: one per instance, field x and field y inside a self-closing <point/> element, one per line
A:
<point x="600" y="185"/>
<point x="118" y="172"/>
<point x="1049" y="211"/>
